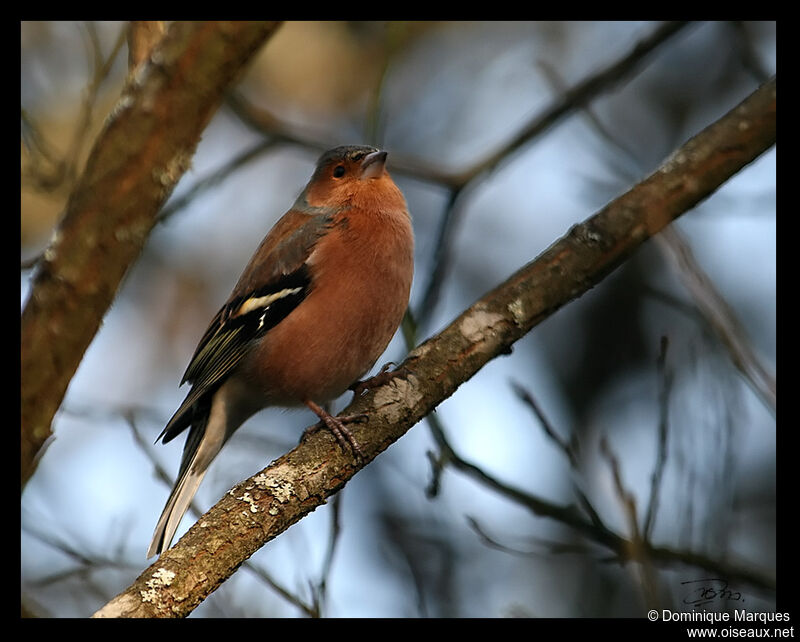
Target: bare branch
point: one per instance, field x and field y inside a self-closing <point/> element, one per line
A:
<point x="321" y="588"/>
<point x="569" y="448"/>
<point x="143" y="35"/>
<point x="622" y="549"/>
<point x="260" y="508"/>
<point x="577" y="97"/>
<point x="548" y="547"/>
<point x="665" y="379"/>
<point x="636" y="547"/>
<point x="46" y="169"/>
<point x="464" y="182"/>
<point x="143" y="151"/>
<point x="265" y="122"/>
<point x="214" y="179"/>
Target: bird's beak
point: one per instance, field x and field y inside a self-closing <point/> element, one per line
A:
<point x="373" y="164"/>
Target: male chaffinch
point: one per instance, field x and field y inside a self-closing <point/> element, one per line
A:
<point x="315" y="307"/>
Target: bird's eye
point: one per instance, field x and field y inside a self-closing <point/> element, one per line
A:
<point x="338" y="172"/>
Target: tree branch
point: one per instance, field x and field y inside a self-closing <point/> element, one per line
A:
<point x="143" y="151"/>
<point x="462" y="183"/>
<point x="143" y="35"/>
<point x="262" y="507"/>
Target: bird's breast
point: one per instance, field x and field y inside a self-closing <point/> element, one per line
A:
<point x="361" y="280"/>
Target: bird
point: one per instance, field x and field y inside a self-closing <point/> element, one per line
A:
<point x="313" y="310"/>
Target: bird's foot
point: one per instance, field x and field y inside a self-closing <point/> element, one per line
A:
<point x="383" y="377"/>
<point x="337" y="426"/>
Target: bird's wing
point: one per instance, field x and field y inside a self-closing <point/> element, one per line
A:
<point x="271" y="286"/>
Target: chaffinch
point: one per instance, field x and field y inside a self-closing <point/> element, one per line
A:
<point x="315" y="307"/>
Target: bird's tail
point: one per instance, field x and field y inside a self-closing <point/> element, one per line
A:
<point x="177" y="505"/>
<point x="206" y="438"/>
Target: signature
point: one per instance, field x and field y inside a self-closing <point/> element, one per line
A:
<point x="708" y="590"/>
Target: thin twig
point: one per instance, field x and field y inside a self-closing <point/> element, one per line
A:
<point x="290" y="597"/>
<point x="552" y="547"/>
<point x="719" y="315"/>
<point x="47" y="169"/>
<point x="215" y="178"/>
<point x="100" y="68"/>
<point x="637" y="547"/>
<point x="444" y="236"/>
<point x="320" y="592"/>
<point x="577" y="97"/>
<point x="559" y="86"/>
<point x="665" y="379"/>
<point x="567" y="447"/>
<point x="619" y="546"/>
<point x="263" y="121"/>
<point x="747" y="51"/>
<point x="44" y="166"/>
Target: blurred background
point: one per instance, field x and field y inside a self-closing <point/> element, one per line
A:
<point x="636" y="375"/>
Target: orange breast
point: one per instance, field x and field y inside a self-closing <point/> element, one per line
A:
<point x="362" y="278"/>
